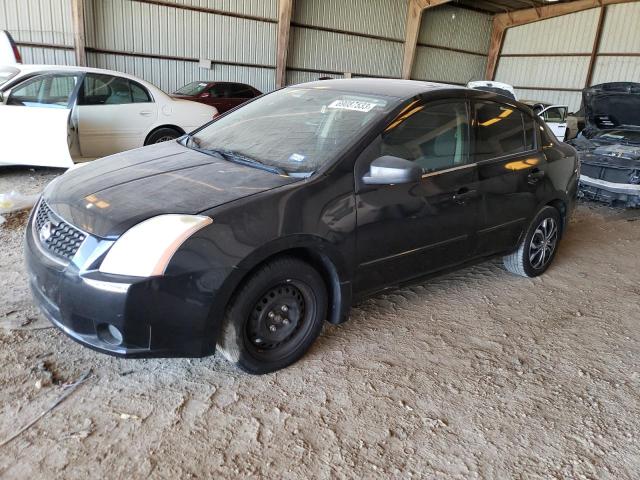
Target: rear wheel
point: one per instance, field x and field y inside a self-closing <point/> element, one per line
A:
<point x="162" y="135"/>
<point x="538" y="247"/>
<point x="275" y="317"/>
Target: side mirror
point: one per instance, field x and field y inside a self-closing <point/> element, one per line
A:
<point x="388" y="170"/>
<point x="205" y="95"/>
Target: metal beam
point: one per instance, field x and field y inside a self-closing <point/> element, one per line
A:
<point x="504" y="21"/>
<point x="77" y="14"/>
<point x="285" y="10"/>
<point x="596" y="46"/>
<point x="412" y="29"/>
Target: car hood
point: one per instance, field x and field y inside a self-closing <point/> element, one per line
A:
<point x="618" y="156"/>
<point x="611" y="105"/>
<point x="108" y="196"/>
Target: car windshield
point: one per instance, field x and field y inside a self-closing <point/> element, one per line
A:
<point x="296" y="129"/>
<point x="7" y="73"/>
<point x="193" y="88"/>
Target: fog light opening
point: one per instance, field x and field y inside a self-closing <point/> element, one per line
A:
<point x="110" y="334"/>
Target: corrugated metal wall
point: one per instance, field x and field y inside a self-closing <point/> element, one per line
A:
<point x="163" y="43"/>
<point x="452" y="45"/>
<point x="43" y="24"/>
<point x="549" y="60"/>
<point x="530" y="55"/>
<point x="327" y="39"/>
<point x="620" y="34"/>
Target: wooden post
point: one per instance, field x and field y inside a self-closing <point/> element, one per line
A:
<point x="412" y="30"/>
<point x="596" y="46"/>
<point x="285" y="10"/>
<point x="77" y="13"/>
<point x="497" y="38"/>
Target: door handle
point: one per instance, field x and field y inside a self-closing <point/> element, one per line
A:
<point x="145" y="113"/>
<point x="463" y="195"/>
<point x="535" y="176"/>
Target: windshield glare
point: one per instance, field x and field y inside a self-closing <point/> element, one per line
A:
<point x="7" y="73"/>
<point x="193" y="88"/>
<point x="296" y="129"/>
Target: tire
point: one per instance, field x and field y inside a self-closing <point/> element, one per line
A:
<point x="538" y="247"/>
<point x="162" y="135"/>
<point x="275" y="316"/>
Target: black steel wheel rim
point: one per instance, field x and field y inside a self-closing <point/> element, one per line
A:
<point x="280" y="319"/>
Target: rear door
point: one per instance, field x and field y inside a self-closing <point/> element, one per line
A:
<point x="114" y="114"/>
<point x="511" y="170"/>
<point x="35" y="121"/>
<point x="556" y="118"/>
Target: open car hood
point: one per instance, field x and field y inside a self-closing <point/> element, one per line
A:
<point x="611" y="106"/>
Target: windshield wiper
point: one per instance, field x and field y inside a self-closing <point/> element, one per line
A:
<point x="236" y="157"/>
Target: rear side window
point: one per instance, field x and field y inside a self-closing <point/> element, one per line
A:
<point x="498" y="131"/>
<point x="109" y="90"/>
<point x="529" y="132"/>
<point x="238" y="90"/>
<point x="435" y="136"/>
<point x="219" y="90"/>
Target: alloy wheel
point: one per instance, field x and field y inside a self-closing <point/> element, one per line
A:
<point x="543" y="243"/>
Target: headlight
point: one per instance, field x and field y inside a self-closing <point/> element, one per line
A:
<point x="146" y="249"/>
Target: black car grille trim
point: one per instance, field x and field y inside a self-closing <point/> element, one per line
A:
<point x="58" y="237"/>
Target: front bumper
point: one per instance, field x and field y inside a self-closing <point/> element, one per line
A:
<point x="155" y="317"/>
<point x="610" y="192"/>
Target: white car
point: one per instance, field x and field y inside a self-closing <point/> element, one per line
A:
<point x="494" y="87"/>
<point x="555" y="116"/>
<point x="54" y="116"/>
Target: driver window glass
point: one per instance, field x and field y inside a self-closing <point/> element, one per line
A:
<point x="435" y="136"/>
<point x="554" y="115"/>
<point x="52" y="91"/>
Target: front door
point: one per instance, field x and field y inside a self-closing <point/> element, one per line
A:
<point x="35" y="121"/>
<point x="114" y="114"/>
<point x="408" y="230"/>
<point x="510" y="171"/>
<point x="556" y="118"/>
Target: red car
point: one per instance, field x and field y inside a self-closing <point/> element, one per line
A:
<point x="222" y="95"/>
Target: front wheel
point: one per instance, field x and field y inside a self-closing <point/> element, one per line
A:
<point x="538" y="247"/>
<point x="275" y="317"/>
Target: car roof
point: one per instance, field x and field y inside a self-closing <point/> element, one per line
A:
<point x="26" y="69"/>
<point x="379" y="86"/>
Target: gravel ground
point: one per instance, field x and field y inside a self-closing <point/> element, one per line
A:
<point x="476" y="374"/>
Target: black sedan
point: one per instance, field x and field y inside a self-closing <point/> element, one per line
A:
<point x="249" y="233"/>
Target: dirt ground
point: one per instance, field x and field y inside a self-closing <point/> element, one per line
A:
<point x="476" y="374"/>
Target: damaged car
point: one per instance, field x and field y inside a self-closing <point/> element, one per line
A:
<point x="609" y="145"/>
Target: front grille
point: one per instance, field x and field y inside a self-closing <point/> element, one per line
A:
<point x="56" y="235"/>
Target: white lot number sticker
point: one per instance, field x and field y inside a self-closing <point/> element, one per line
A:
<point x="352" y="105"/>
